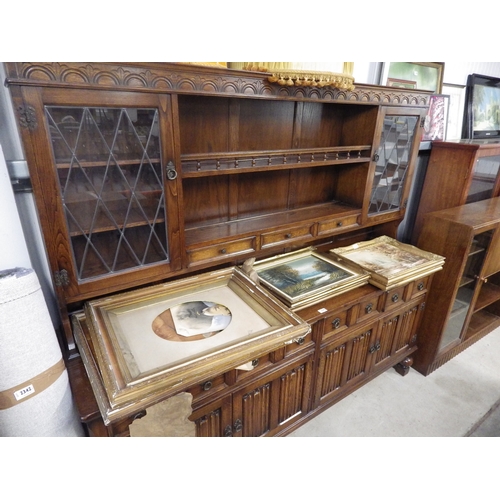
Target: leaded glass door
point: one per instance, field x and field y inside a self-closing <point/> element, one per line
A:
<point x="393" y="159"/>
<point x="111" y="164"/>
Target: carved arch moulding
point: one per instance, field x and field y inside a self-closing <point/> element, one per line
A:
<point x="185" y="78"/>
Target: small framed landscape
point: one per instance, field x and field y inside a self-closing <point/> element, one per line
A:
<point x="305" y="277"/>
<point x="154" y="342"/>
<point x="390" y="262"/>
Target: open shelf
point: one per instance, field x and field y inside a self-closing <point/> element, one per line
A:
<point x="489" y="294"/>
<point x="202" y="233"/>
<point x="480" y="321"/>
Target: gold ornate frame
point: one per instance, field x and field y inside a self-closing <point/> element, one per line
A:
<point x="343" y="276"/>
<point x="115" y="337"/>
<point x="390" y="262"/>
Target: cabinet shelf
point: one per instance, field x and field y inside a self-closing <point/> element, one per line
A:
<point x="65" y="164"/>
<point x="202" y="233"/>
<point x="481" y="321"/>
<point x="195" y="165"/>
<point x="489" y="293"/>
<point x="88" y="218"/>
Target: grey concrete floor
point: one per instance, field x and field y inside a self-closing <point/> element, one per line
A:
<point x="461" y="398"/>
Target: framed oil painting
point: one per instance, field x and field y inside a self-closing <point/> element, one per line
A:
<point x="304" y="277"/>
<point x="157" y="341"/>
<point x="426" y="75"/>
<point x="390" y="262"/>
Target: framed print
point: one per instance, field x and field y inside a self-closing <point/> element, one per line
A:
<point x="155" y="342"/>
<point x="436" y="120"/>
<point x="304" y="277"/>
<point x="402" y="84"/>
<point x="426" y="75"/>
<point x="455" y="110"/>
<point x="389" y="262"/>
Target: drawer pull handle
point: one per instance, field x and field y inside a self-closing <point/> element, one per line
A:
<point x="375" y="348"/>
<point x="368" y="308"/>
<point x="207" y="385"/>
<point x="339" y="223"/>
<point x="255" y="362"/>
<point x="420" y="286"/>
<point x="300" y="340"/>
<point x="288" y="236"/>
<point x="222" y="250"/>
<point x="395" y="297"/>
<point x="336" y="323"/>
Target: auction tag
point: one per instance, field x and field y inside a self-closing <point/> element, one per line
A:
<point x="24" y="392"/>
<point x="322" y="310"/>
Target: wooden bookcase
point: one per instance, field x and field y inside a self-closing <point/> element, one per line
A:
<point x="464" y="302"/>
<point x="148" y="172"/>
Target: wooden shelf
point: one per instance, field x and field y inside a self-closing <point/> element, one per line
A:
<point x="489" y="293"/>
<point x="480" y="321"/>
<point x="202" y="233"/>
<point x="104" y="162"/>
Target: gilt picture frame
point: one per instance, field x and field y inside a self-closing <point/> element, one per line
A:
<point x="426" y="75"/>
<point x="305" y="277"/>
<point x="390" y="262"/>
<point x="135" y="362"/>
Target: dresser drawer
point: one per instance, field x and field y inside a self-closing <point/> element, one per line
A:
<point x="394" y="297"/>
<point x="222" y="251"/>
<point x="370" y="307"/>
<point x="419" y="286"/>
<point x="337" y="224"/>
<point x="286" y="235"/>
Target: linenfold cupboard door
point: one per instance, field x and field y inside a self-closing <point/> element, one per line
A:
<point x="104" y="174"/>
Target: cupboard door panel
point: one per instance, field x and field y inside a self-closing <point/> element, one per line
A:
<point x="268" y="406"/>
<point x="342" y="365"/>
<point x="214" y="419"/>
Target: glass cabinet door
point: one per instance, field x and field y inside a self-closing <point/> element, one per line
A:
<point x="392" y="163"/>
<point x="473" y="285"/>
<point x="109" y="167"/>
<point x="483" y="179"/>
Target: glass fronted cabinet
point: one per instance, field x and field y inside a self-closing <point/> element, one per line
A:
<point x="464" y="304"/>
<point x="394" y="155"/>
<point x="110" y="170"/>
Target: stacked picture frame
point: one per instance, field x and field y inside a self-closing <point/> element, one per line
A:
<point x="389" y="262"/>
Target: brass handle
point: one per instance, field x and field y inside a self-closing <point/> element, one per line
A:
<point x="336" y="323"/>
<point x="171" y="172"/>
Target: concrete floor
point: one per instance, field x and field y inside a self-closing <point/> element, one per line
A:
<point x="462" y="398"/>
